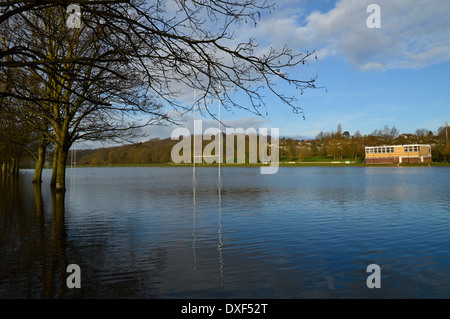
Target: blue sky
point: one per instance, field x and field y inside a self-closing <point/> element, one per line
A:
<point x="396" y="75"/>
<point x="367" y="100"/>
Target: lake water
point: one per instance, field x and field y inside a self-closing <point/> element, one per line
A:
<point x="305" y="232"/>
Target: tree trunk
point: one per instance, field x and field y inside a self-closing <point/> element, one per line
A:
<point x="60" y="185"/>
<point x="40" y="161"/>
<point x="13" y="169"/>
<point x="54" y="166"/>
<point x="16" y="172"/>
<point x="63" y="146"/>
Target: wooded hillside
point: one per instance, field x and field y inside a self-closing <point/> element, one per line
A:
<point x="336" y="145"/>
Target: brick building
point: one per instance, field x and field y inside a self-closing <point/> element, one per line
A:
<point x="414" y="153"/>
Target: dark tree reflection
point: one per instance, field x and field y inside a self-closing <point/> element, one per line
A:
<point x="41" y="234"/>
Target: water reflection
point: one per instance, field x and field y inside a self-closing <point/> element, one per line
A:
<point x="157" y="232"/>
<point x="36" y="247"/>
<point x="34" y="253"/>
<point x="219" y="230"/>
<point x="194" y="238"/>
<point x="219" y="247"/>
<point x="54" y="268"/>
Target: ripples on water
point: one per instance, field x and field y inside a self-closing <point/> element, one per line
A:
<point x="301" y="233"/>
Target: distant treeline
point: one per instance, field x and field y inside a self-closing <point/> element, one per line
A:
<point x="153" y="151"/>
<point x="336" y="145"/>
<point x="341" y="144"/>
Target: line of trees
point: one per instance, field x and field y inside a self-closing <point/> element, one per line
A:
<point x="337" y="145"/>
<point x="123" y="67"/>
<point x="342" y="145"/>
<point x="157" y="151"/>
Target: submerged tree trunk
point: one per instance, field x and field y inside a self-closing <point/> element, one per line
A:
<point x="60" y="185"/>
<point x="40" y="161"/>
<point x="54" y="166"/>
<point x="63" y="144"/>
<point x="16" y="172"/>
<point x="14" y="166"/>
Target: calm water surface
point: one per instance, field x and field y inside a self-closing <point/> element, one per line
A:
<point x="301" y="233"/>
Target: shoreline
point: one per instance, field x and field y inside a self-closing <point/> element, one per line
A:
<point x="297" y="164"/>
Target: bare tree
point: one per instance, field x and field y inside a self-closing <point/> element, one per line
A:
<point x="190" y="43"/>
<point x="421" y="134"/>
<point x="130" y="57"/>
<point x="387" y="134"/>
<point x="79" y="101"/>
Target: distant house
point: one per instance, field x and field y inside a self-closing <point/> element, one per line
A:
<point x="413" y="153"/>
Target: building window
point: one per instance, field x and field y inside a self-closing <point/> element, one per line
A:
<point x="415" y="148"/>
<point x="406" y="149"/>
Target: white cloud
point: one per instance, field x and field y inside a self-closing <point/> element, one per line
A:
<point x="413" y="34"/>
